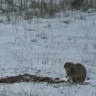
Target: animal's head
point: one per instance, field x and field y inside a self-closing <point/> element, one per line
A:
<point x="69" y="66"/>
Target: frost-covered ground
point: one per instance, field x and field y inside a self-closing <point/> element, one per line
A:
<point x="41" y="47"/>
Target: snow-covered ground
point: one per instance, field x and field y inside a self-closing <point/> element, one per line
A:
<point x="41" y="47"/>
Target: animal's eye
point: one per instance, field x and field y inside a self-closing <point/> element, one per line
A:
<point x="69" y="64"/>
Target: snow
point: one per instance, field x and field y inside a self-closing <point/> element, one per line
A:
<point x="41" y="47"/>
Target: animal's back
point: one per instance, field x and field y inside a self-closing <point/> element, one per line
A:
<point x="81" y="68"/>
<point x="82" y="72"/>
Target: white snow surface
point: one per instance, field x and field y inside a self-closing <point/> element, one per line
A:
<point x="41" y="47"/>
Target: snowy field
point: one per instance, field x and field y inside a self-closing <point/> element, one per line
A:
<point x="41" y="47"/>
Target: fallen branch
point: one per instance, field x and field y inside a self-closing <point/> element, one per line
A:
<point x="30" y="78"/>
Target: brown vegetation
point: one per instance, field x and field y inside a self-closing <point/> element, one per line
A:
<point x="30" y="78"/>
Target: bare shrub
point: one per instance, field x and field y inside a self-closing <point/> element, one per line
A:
<point x="76" y="4"/>
<point x="41" y="8"/>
